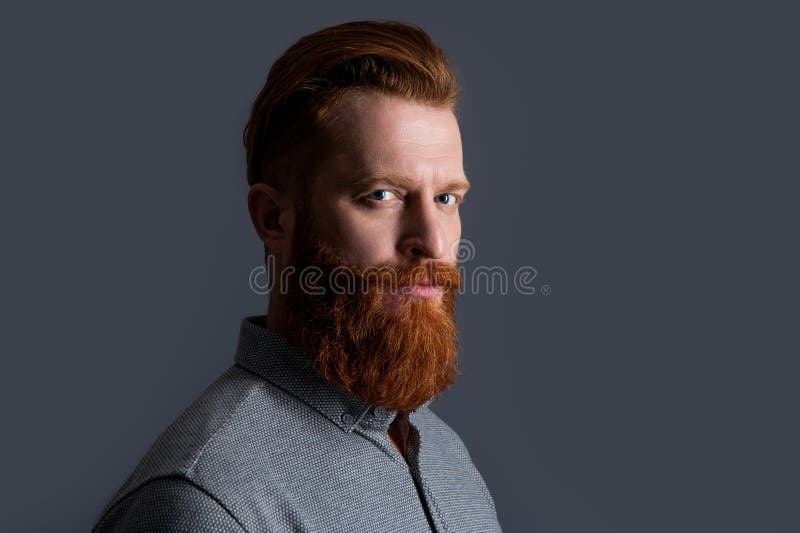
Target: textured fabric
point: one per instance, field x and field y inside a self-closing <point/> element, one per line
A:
<point x="171" y="504"/>
<point x="272" y="446"/>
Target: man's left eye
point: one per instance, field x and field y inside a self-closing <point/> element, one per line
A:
<point x="453" y="198"/>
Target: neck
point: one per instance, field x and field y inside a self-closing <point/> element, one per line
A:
<point x="276" y="317"/>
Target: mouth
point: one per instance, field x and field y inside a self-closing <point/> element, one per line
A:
<point x="426" y="289"/>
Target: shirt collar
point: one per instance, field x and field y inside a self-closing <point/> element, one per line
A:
<point x="273" y="358"/>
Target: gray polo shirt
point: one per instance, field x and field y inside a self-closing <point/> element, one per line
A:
<point x="272" y="446"/>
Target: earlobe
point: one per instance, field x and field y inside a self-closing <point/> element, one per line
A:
<point x="266" y="205"/>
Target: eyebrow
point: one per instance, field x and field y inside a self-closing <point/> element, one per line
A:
<point x="366" y="181"/>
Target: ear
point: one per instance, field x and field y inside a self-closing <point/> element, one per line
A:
<point x="271" y="213"/>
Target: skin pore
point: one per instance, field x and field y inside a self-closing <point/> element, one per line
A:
<point x="388" y="192"/>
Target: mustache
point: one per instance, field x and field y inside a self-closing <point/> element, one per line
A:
<point x="385" y="276"/>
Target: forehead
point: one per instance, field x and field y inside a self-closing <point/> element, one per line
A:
<point x="379" y="135"/>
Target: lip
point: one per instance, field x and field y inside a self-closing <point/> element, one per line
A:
<point x="426" y="290"/>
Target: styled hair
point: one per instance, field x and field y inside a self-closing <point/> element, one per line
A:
<point x="284" y="132"/>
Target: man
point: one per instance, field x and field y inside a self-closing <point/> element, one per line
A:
<point x="323" y="423"/>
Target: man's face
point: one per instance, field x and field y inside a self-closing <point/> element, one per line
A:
<point x="387" y="197"/>
<point x="390" y="190"/>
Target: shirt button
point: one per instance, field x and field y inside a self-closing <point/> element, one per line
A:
<point x="379" y="412"/>
<point x="347" y="419"/>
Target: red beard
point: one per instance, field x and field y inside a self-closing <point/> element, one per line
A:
<point x="395" y="352"/>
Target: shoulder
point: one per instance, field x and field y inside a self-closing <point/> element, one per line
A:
<point x="168" y="504"/>
<point x="184" y="441"/>
<point x="204" y="450"/>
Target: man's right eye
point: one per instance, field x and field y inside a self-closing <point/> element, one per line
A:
<point x="381" y="193"/>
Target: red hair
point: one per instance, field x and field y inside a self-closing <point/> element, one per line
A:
<point x="316" y="72"/>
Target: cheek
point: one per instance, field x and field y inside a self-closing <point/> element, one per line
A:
<point x="360" y="237"/>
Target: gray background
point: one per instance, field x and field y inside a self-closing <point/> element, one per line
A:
<point x="642" y="157"/>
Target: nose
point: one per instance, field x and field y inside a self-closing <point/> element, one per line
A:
<point x="423" y="233"/>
